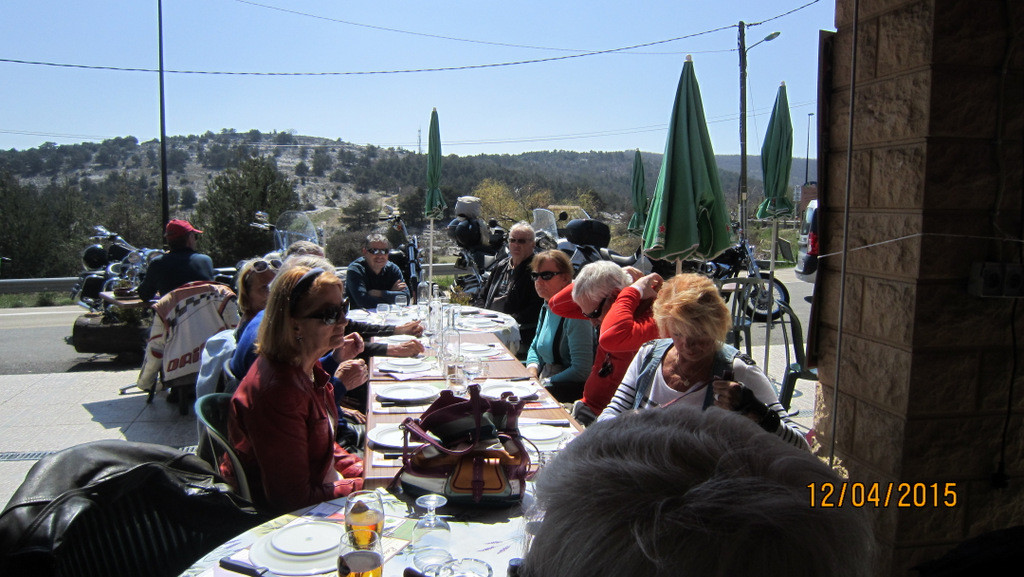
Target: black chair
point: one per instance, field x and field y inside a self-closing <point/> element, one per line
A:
<point x="796" y="360"/>
<point x="739" y="291"/>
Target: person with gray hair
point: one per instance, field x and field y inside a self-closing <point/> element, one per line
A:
<point x="372" y="279"/>
<point x="594" y="293"/>
<point x="509" y="289"/>
<point x="681" y="492"/>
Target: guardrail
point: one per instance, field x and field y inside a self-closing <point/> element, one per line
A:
<point x="39" y="285"/>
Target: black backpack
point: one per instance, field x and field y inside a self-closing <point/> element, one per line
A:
<point x="111" y="508"/>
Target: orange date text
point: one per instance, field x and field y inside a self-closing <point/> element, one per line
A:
<point x="899" y="495"/>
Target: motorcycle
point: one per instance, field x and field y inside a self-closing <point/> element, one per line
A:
<point x="407" y="254"/>
<point x="735" y="260"/>
<point x="481" y="245"/>
<point x="110" y="265"/>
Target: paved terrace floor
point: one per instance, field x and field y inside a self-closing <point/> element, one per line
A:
<point x="47" y="412"/>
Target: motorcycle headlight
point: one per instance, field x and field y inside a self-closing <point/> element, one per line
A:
<point x="134" y="257"/>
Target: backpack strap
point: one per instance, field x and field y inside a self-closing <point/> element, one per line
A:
<point x="721" y="368"/>
<point x="650" y="367"/>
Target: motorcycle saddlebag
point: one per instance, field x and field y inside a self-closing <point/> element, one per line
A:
<point x="588" y="232"/>
<point x="468" y="206"/>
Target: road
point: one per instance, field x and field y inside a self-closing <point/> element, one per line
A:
<point x="34" y="340"/>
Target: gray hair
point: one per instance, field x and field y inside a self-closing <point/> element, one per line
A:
<point x="680" y="491"/>
<point x="310" y="261"/>
<point x="303" y="247"/>
<point x="523" y="225"/>
<point x="600" y="279"/>
<point x="376" y="237"/>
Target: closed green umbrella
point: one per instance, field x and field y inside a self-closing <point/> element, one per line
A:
<point x="777" y="160"/>
<point x="434" y="206"/>
<point x="636" y="223"/>
<point x="688" y="215"/>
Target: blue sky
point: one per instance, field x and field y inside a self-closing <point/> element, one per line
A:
<point x="611" y="101"/>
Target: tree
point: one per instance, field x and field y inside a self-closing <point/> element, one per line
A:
<point x="301" y="169"/>
<point x="231" y="202"/>
<point x="322" y="162"/>
<point x="499" y="201"/>
<point x="361" y="213"/>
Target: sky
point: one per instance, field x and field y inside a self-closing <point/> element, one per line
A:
<point x="559" y="95"/>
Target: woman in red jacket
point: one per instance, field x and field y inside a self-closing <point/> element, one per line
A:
<point x="283" y="414"/>
<point x="603" y="294"/>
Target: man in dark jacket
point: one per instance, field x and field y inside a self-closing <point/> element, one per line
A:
<point x="180" y="265"/>
<point x="510" y="289"/>
<point x="372" y="279"/>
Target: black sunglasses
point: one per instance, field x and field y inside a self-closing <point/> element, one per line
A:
<point x="377" y="250"/>
<point x="597" y="312"/>
<point x="331" y="315"/>
<point x="546" y="275"/>
<point x="520" y="240"/>
<point x="263" y="264"/>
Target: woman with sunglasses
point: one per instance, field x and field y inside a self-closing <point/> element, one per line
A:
<point x="254" y="279"/>
<point x="562" y="351"/>
<point x="283" y="415"/>
<point x="694" y="366"/>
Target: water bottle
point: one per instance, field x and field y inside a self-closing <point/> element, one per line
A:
<point x="423" y="292"/>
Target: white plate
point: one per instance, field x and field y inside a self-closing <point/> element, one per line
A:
<point x="399" y="339"/>
<point x="495" y="390"/>
<point x="388" y="436"/>
<point x="404" y="361"/>
<point x="301" y="549"/>
<point x="474" y="322"/>
<point x="407" y="393"/>
<point x="474" y="348"/>
<point x="541" y="433"/>
<point x="358" y="314"/>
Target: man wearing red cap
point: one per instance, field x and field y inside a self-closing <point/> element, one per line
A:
<point x="182" y="264"/>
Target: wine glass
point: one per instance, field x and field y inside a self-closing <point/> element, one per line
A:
<point x="360" y="557"/>
<point x="364" y="514"/>
<point x="401" y="301"/>
<point x="382" y="311"/>
<point x="431" y="530"/>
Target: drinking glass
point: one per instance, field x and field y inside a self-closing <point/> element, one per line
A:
<point x="401" y="301"/>
<point x="431" y="530"/>
<point x="364" y="514"/>
<point x="454" y="371"/>
<point x="360" y="559"/>
<point x="466" y="568"/>
<point x="473" y="367"/>
<point x="429" y="560"/>
<point x="382" y="310"/>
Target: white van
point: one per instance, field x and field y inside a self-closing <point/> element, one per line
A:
<point x="807" y="263"/>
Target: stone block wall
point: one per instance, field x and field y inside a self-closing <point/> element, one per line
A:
<point x="925" y="369"/>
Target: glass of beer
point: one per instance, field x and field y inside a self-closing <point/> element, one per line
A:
<point x="364" y="514"/>
<point x="362" y="557"/>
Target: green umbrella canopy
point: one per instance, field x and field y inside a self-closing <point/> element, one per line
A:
<point x="777" y="160"/>
<point x="435" y="204"/>
<point x="688" y="216"/>
<point x="636" y="223"/>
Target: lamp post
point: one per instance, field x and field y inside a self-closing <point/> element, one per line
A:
<point x="742" y="42"/>
<point x="807" y="155"/>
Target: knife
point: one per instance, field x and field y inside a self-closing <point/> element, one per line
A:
<point x="554" y="423"/>
<point x="245" y="568"/>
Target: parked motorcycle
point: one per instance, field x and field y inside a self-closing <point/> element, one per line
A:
<point x="733" y="262"/>
<point x="481" y="245"/>
<point x="407" y="254"/>
<point x="111" y="265"/>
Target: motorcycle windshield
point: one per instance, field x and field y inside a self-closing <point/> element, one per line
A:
<point x="544" y="220"/>
<point x="293" y="226"/>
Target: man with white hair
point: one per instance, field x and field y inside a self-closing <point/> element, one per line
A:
<point x="510" y="289"/>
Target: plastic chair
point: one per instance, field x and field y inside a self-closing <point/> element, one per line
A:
<point x="738" y="290"/>
<point x="796" y="360"/>
<point x="212" y="421"/>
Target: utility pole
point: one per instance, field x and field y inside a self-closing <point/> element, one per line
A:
<point x="742" y="193"/>
<point x="807" y="160"/>
<point x="164" y="197"/>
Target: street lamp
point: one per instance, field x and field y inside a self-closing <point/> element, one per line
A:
<point x="743" y="119"/>
<point x="807" y="155"/>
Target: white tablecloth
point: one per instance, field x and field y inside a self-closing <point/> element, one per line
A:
<point x="471" y="319"/>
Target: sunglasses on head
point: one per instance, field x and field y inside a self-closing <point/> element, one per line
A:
<point x="302" y="287"/>
<point x="331" y="315"/>
<point x="263" y="264"/>
<point x="377" y="250"/>
<point x="597" y="312"/>
<point x="545" y="275"/>
<point x="519" y="240"/>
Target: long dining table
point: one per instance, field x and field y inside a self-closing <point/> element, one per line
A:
<point x="492" y="535"/>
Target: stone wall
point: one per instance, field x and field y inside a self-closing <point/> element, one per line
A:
<point x="935" y="185"/>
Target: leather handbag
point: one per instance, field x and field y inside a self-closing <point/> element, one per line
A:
<point x="468" y="450"/>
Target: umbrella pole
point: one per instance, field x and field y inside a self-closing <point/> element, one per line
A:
<point x="430" y="257"/>
<point x="679" y="266"/>
<point x="771" y="292"/>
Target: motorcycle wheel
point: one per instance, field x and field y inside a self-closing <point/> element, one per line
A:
<point x="760" y="301"/>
